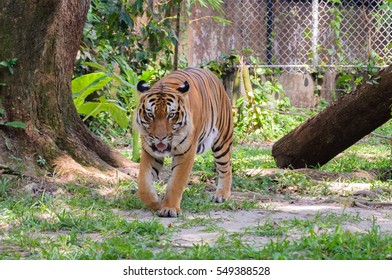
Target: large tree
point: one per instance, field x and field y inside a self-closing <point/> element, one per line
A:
<point x="44" y="36"/>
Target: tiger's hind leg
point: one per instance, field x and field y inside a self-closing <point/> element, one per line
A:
<point x="222" y="157"/>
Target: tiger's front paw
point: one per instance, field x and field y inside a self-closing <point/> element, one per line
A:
<point x="218" y="199"/>
<point x="168" y="212"/>
<point x="221" y="196"/>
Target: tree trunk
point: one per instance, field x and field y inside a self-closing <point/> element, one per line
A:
<point x="44" y="36"/>
<point x="339" y="126"/>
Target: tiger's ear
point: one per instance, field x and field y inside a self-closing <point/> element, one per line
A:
<point x="184" y="87"/>
<point x="142" y="86"/>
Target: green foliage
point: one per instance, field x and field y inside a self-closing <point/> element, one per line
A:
<point x="10" y="64"/>
<point x="14" y="124"/>
<point x="41" y="161"/>
<point x="141" y="32"/>
<point x="115" y="28"/>
<point x="11" y="124"/>
<point x="5" y="186"/>
<point x="214" y="4"/>
<point x="225" y="64"/>
<point x="85" y="85"/>
<point x="263" y="112"/>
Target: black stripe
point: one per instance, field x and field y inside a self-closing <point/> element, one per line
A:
<point x="173" y="167"/>
<point x="212" y="117"/>
<point x="227" y="127"/>
<point x="223" y="154"/>
<point x="201" y="137"/>
<point x="183" y="140"/>
<point x="220" y="147"/>
<point x="200" y="148"/>
<point x="156" y="170"/>
<point x="217" y="149"/>
<point x="184" y="152"/>
<point x="223" y="138"/>
<point x="220" y="171"/>
<point x="222" y="163"/>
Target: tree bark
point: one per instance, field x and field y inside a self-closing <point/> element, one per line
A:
<point x="339" y="126"/>
<point x="44" y="36"/>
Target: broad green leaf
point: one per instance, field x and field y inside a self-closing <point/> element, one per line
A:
<point x="16" y="124"/>
<point x="84" y="85"/>
<point x="95" y="65"/>
<point x="118" y="114"/>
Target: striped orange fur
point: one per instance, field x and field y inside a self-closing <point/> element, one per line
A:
<point x="184" y="113"/>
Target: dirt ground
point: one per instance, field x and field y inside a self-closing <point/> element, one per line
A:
<point x="277" y="210"/>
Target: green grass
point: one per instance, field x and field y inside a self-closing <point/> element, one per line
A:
<point x="104" y="222"/>
<point x="303" y="226"/>
<point x="336" y="245"/>
<point x="96" y="232"/>
<point x="367" y="154"/>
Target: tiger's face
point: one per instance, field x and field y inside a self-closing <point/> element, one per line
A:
<point x="161" y="117"/>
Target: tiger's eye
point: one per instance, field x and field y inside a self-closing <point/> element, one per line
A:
<point x="171" y="115"/>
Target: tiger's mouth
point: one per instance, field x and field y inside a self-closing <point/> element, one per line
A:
<point x="161" y="148"/>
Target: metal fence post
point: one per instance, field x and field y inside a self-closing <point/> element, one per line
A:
<point x="315" y="31"/>
<point x="270" y="29"/>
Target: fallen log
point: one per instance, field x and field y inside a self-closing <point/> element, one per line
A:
<point x="339" y="126"/>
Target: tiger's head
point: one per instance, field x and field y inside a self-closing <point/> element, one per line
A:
<point x="161" y="117"/>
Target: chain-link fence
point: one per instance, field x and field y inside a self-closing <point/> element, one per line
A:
<point x="301" y="34"/>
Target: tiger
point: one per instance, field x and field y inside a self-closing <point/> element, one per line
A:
<point x="183" y="114"/>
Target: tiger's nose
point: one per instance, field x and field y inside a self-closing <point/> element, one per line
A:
<point x="161" y="137"/>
